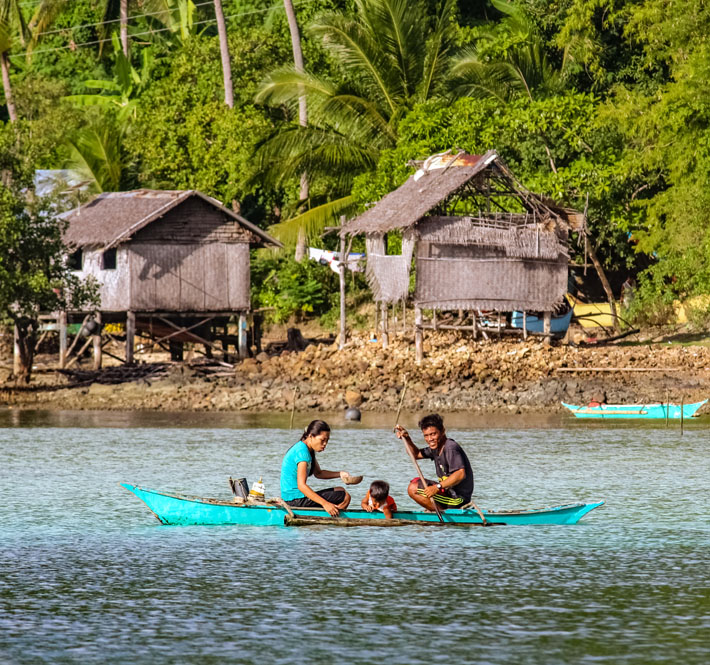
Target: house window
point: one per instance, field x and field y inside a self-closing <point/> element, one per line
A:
<point x="108" y="259"/>
<point x="76" y="260"/>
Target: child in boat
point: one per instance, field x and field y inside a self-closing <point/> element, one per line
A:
<point x="378" y="498"/>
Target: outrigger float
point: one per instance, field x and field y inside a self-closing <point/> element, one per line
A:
<point x="652" y="411"/>
<point x="178" y="509"/>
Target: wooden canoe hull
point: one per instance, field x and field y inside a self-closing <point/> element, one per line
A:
<point x="177" y="509"/>
<point x="650" y="411"/>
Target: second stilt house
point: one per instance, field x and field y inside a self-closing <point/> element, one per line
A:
<point x="480" y="241"/>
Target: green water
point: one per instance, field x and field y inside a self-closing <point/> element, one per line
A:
<point x="88" y="575"/>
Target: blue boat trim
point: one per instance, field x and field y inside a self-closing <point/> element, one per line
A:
<point x="178" y="509"/>
<point x="649" y="411"/>
<point x="558" y="324"/>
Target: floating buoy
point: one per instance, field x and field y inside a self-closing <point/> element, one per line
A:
<point x="352" y="413"/>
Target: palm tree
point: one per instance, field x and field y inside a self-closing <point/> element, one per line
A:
<point x="299" y="67"/>
<point x="525" y="69"/>
<point x="13" y="26"/>
<point x="224" y="52"/>
<point x="393" y="55"/>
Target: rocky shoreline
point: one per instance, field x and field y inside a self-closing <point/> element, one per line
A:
<point x="457" y="374"/>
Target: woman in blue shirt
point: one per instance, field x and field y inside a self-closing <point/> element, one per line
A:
<point x="300" y="463"/>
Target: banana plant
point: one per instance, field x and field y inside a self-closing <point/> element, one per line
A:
<point x="122" y="91"/>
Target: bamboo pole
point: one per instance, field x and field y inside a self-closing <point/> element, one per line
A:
<point x="668" y="406"/>
<point x="293" y="407"/>
<point x="681" y="416"/>
<point x="62" y="327"/>
<point x="418" y="334"/>
<point x="618" y="369"/>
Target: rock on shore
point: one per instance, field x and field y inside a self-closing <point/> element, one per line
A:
<point x="457" y="374"/>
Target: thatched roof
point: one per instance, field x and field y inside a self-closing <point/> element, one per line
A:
<point x="113" y="218"/>
<point x="439" y="177"/>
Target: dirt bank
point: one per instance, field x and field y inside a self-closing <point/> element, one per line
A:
<point x="457" y="374"/>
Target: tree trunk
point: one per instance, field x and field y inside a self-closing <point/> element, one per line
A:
<point x="224" y="51"/>
<point x="124" y="26"/>
<point x="27" y="344"/>
<point x="302" y="111"/>
<point x="5" y="66"/>
<point x="301" y="245"/>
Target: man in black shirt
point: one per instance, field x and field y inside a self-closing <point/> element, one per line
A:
<point x="455" y="476"/>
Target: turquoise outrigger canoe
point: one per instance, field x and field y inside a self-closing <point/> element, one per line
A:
<point x="177" y="509"/>
<point x="652" y="411"/>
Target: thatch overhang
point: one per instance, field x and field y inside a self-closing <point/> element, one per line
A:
<point x="440" y="178"/>
<point x="113" y="218"/>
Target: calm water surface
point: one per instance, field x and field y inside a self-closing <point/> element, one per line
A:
<point x="87" y="575"/>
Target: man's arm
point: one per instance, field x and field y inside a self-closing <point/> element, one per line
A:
<point x="454" y="478"/>
<point x="404" y="435"/>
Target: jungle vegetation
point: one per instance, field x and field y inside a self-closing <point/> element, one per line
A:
<point x="298" y="111"/>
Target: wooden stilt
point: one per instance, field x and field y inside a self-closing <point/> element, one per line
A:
<point x="546" y="325"/>
<point x="97" y="342"/>
<point x="62" y="329"/>
<point x="242" y="336"/>
<point x="343" y="259"/>
<point x="385" y="332"/>
<point x="418" y="333"/>
<point x="525" y="325"/>
<point x="130" y="336"/>
<point x="474" y="325"/>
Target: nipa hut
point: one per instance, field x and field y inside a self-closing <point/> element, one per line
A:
<point x="481" y="242"/>
<point x="165" y="260"/>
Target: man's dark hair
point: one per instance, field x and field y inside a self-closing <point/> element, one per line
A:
<point x="315" y="427"/>
<point x="432" y="420"/>
<point x="379" y="490"/>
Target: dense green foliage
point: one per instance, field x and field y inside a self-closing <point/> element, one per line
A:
<point x="595" y="103"/>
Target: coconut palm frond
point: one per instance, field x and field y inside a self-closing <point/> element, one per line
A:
<point x="472" y="78"/>
<point x="312" y="221"/>
<point x="96" y="155"/>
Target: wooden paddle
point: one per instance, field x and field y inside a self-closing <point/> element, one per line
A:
<point x="421" y="477"/>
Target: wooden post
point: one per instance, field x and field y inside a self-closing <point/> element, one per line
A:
<point x="546" y="324"/>
<point x="433" y="318"/>
<point x="474" y="325"/>
<point x="98" y="356"/>
<point x="16" y="352"/>
<point x="343" y="258"/>
<point x="418" y="346"/>
<point x="242" y="336"/>
<point x="404" y="316"/>
<point x="62" y="329"/>
<point x="499" y="324"/>
<point x="525" y="324"/>
<point x="681" y="416"/>
<point x="385" y="334"/>
<point x="130" y="336"/>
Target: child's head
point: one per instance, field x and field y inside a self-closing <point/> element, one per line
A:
<point x="379" y="491"/>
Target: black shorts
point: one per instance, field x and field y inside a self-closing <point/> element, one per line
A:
<point x="445" y="497"/>
<point x="331" y="494"/>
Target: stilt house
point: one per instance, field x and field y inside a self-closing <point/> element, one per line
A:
<point x="481" y="241"/>
<point x="174" y="255"/>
